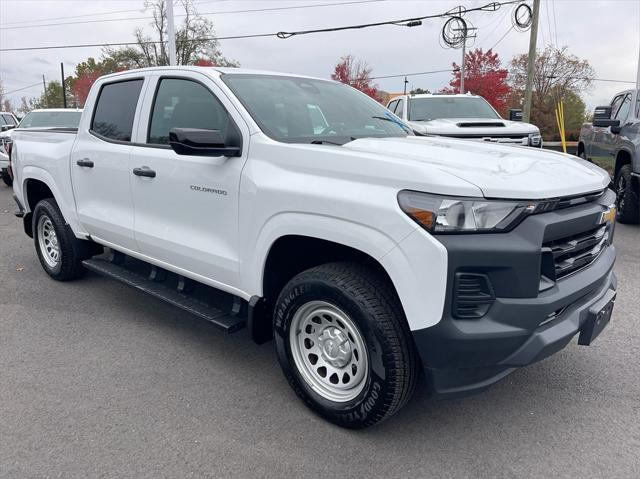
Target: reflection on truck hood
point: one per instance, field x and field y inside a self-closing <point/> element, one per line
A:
<point x="473" y="126"/>
<point x="499" y="171"/>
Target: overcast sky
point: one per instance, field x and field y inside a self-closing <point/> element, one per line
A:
<point x="607" y="33"/>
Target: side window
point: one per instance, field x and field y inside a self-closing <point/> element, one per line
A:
<point x="116" y="109"/>
<point x="615" y="104"/>
<point x="623" y="111"/>
<point x="182" y="103"/>
<point x="399" y="108"/>
<point x="392" y="105"/>
<point x="9" y="120"/>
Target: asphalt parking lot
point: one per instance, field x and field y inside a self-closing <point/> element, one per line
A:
<point x="98" y="380"/>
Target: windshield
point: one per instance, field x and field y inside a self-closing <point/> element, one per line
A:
<point x="424" y="109"/>
<point x="48" y="119"/>
<point x="302" y="110"/>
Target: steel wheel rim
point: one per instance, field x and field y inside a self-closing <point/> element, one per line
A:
<point x="329" y="351"/>
<point x="48" y="241"/>
<point x="621" y="188"/>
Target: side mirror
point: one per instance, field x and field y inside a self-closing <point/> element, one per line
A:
<point x="515" y="114"/>
<point x="200" y="142"/>
<point x="602" y="117"/>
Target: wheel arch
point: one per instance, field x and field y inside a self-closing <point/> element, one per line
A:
<point x="623" y="157"/>
<point x="38" y="184"/>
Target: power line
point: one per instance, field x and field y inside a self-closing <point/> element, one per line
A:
<point x="253" y="10"/>
<point x="456" y="12"/>
<point x="415" y="74"/>
<point x="502" y="37"/>
<point x="414" y="21"/>
<point x="23" y="88"/>
<point x="67" y="17"/>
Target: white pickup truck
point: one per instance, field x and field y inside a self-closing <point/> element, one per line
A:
<point x="369" y="254"/>
<point x="465" y="116"/>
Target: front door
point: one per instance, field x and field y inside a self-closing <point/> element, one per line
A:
<point x="186" y="214"/>
<point x="100" y="165"/>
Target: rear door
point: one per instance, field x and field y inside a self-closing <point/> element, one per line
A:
<point x="100" y="168"/>
<point x="186" y="216"/>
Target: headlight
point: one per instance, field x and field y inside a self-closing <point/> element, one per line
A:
<point x="535" y="139"/>
<point x="441" y="214"/>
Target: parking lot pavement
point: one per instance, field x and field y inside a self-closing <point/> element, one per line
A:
<point x="97" y="379"/>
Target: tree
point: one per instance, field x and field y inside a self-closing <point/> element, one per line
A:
<point x="356" y="74"/>
<point x="7" y="105"/>
<point x="557" y="75"/>
<point x="418" y="91"/>
<point x="483" y="76"/>
<point x="51" y="98"/>
<point x="195" y="40"/>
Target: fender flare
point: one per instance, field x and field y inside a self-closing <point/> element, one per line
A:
<point x="423" y="307"/>
<point x="67" y="209"/>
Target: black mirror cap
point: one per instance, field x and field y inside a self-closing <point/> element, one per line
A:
<point x="202" y="142"/>
<point x="604" y="123"/>
<point x="602" y="113"/>
<point x="515" y="114"/>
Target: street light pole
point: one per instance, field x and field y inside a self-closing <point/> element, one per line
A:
<point x="171" y="32"/>
<point x="531" y="62"/>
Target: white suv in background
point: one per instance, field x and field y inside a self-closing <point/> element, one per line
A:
<point x="462" y="116"/>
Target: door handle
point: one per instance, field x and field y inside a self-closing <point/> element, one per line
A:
<point x="86" y="162"/>
<point x="144" y="171"/>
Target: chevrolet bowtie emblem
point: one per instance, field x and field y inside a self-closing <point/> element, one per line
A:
<point x="608" y="216"/>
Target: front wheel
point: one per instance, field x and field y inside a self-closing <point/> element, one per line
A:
<point x="627" y="201"/>
<point x="343" y="344"/>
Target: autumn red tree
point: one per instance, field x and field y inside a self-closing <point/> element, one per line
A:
<point x="483" y="76"/>
<point x="203" y="62"/>
<point x="357" y="74"/>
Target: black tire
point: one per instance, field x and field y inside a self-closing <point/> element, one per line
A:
<point x="627" y="201"/>
<point x="71" y="250"/>
<point x="366" y="296"/>
<point x="7" y="179"/>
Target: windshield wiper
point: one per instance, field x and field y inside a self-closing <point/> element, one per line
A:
<point x="329" y="142"/>
<point x="392" y="120"/>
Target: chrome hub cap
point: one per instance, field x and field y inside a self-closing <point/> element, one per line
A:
<point x="329" y="351"/>
<point x="621" y="191"/>
<point x="48" y="241"/>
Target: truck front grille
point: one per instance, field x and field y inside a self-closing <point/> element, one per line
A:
<point x="564" y="256"/>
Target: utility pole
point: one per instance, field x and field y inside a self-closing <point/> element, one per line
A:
<point x="464" y="52"/>
<point x="44" y="90"/>
<point x="531" y="61"/>
<point x="405" y="85"/>
<point x="638" y="74"/>
<point x="64" y="93"/>
<point x="171" y="32"/>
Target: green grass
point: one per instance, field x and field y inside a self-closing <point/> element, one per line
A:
<point x="606" y="163"/>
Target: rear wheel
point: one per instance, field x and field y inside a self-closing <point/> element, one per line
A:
<point x="343" y="344"/>
<point x="7" y="179"/>
<point x="59" y="251"/>
<point x="627" y="200"/>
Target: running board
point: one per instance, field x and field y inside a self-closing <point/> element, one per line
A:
<point x="198" y="308"/>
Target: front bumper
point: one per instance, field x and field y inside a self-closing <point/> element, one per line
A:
<point x="525" y="322"/>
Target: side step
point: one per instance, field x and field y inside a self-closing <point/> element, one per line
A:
<point x="194" y="306"/>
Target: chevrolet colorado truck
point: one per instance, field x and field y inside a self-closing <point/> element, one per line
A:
<point x="303" y="210"/>
<point x="614" y="136"/>
<point x="467" y="116"/>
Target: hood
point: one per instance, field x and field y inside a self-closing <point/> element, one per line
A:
<point x="473" y="126"/>
<point x="499" y="171"/>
